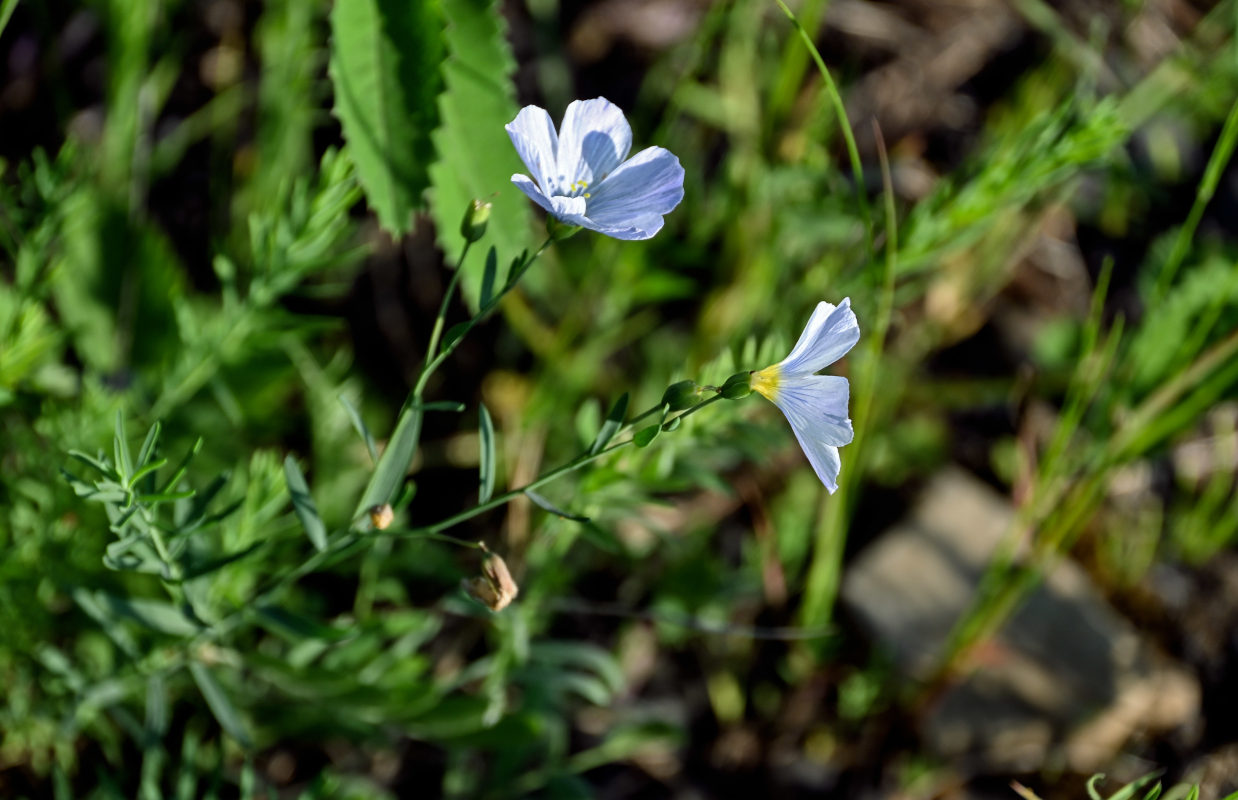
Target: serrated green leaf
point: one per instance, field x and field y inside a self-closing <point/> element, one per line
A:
<point x="385" y="61"/>
<point x="219" y="703"/>
<point x="475" y="155"/>
<point x="485" y="430"/>
<point x="303" y="504"/>
<point x="359" y="425"/>
<point x="614" y="421"/>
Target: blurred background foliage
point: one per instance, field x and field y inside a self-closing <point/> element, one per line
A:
<point x="226" y="229"/>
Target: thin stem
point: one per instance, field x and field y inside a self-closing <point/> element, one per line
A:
<point x="698" y="406"/>
<point x="840" y="111"/>
<point x="574" y="464"/>
<point x="437" y="333"/>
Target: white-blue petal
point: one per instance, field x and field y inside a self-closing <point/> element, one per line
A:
<point x="570" y="210"/>
<point x="650" y="182"/>
<point x="830" y="333"/>
<point x="816" y="408"/>
<point x="593" y="139"/>
<point x="533" y="135"/>
<point x="530" y="188"/>
<point x="636" y="229"/>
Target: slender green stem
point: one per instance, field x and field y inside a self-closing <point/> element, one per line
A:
<point x="506" y="497"/>
<point x="437" y="333"/>
<point x="840" y="111"/>
<point x="698" y="406"/>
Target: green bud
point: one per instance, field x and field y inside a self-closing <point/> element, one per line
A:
<point x="473" y="226"/>
<point x="737" y="386"/>
<point x="672" y="425"/>
<point x="679" y="396"/>
<point x="560" y="230"/>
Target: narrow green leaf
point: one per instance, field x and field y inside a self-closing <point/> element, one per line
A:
<point x="455" y="332"/>
<point x="143" y="471"/>
<point x="443" y="405"/>
<point x="153" y="614"/>
<point x="179" y="472"/>
<point x="195" y="516"/>
<point x="121" y="447"/>
<point x="393" y="463"/>
<point x="485" y="430"/>
<point x="303" y="504"/>
<point x="359" y="425"/>
<point x="385" y="62"/>
<point x="198" y="569"/>
<point x="165" y="497"/>
<point x="475" y="155"/>
<point x="101" y="466"/>
<point x="156" y="706"/>
<point x="219" y="703"/>
<point x="295" y="626"/>
<point x="487" y="278"/>
<point x="645" y="436"/>
<point x="148" y="446"/>
<point x="614" y="421"/>
<point x="546" y="505"/>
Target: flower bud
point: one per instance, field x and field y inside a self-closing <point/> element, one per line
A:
<point x="560" y="230"/>
<point x="473" y="226"/>
<point x="381" y="516"/>
<point x="679" y="396"/>
<point x="737" y="386"/>
<point x="495" y="587"/>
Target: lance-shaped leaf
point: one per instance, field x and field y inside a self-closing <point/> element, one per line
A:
<point x="219" y="703"/>
<point x="303" y="504"/>
<point x="485" y="430"/>
<point x="614" y="421"/>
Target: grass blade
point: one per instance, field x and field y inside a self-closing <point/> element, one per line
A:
<point x="303" y="504"/>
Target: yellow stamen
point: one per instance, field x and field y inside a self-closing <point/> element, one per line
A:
<point x="587" y="195"/>
<point x="765" y="382"/>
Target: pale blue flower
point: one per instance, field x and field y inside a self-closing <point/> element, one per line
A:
<point x="581" y="178"/>
<point x="815" y="405"/>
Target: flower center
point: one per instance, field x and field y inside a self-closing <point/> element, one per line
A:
<point x="765" y="382"/>
<point x="574" y="189"/>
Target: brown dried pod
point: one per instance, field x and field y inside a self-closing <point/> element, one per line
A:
<point x="495" y="588"/>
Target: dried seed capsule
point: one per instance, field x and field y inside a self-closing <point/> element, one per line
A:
<point x="495" y="588"/>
